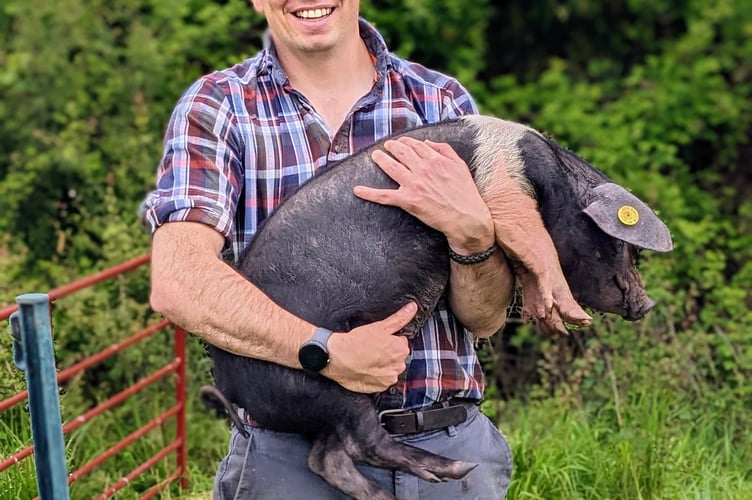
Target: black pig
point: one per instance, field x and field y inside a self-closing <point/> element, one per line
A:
<point x="339" y="262"/>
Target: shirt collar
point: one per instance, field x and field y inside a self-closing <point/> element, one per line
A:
<point x="375" y="44"/>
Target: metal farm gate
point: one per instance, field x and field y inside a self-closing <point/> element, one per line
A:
<point x="30" y="325"/>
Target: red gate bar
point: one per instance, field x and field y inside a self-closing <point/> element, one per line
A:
<point x="133" y="436"/>
<point x="88" y="362"/>
<point x="157" y="489"/>
<point x="181" y="397"/>
<point x="123" y="482"/>
<point x="77" y="285"/>
<point x="177" y="365"/>
<point x="77" y="422"/>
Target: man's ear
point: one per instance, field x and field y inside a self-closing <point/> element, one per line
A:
<point x="258" y="6"/>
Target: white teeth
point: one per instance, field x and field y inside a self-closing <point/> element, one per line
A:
<point x="313" y="13"/>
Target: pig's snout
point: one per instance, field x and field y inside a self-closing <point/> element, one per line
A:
<point x="635" y="301"/>
<point x="634" y="314"/>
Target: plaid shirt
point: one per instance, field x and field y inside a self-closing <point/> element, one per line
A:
<point x="242" y="140"/>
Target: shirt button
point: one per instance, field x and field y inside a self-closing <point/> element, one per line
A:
<point x="392" y="390"/>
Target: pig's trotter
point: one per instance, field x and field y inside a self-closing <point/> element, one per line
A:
<point x="546" y="297"/>
<point x="373" y="445"/>
<point x="361" y="438"/>
<point x="425" y="465"/>
<point x="572" y="313"/>
<point x="330" y="459"/>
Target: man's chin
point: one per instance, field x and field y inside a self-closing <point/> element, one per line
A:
<point x="313" y="48"/>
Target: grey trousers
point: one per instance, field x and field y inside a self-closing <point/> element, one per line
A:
<point x="272" y="465"/>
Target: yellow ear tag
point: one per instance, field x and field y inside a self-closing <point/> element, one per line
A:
<point x="628" y="215"/>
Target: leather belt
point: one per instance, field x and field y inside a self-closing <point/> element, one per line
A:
<point x="399" y="421"/>
<point x="438" y="416"/>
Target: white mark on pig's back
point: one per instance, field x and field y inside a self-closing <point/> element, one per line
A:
<point x="496" y="140"/>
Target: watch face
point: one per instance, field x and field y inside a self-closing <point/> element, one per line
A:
<point x="313" y="357"/>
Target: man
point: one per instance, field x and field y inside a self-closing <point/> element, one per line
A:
<point x="238" y="143"/>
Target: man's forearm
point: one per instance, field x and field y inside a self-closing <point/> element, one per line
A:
<point x="479" y="294"/>
<point x="193" y="288"/>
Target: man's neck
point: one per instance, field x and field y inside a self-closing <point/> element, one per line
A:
<point x="332" y="81"/>
<point x="338" y="69"/>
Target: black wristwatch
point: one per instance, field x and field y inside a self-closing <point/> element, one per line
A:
<point x="313" y="355"/>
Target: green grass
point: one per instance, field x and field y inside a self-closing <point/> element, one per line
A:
<point x="659" y="446"/>
<point x="207" y="439"/>
<point x="656" y="445"/>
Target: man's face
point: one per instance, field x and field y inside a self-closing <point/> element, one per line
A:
<point x="309" y="26"/>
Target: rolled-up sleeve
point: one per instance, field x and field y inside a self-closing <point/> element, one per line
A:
<point x="200" y="175"/>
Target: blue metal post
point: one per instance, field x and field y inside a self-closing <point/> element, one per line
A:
<point x="32" y="352"/>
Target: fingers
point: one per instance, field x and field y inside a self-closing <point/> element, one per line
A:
<point x="380" y="196"/>
<point x="408" y="154"/>
<point x="397" y="321"/>
<point x="435" y="186"/>
<point x="412" y="151"/>
<point x="370" y="358"/>
<point x="396" y="171"/>
<point x="394" y="166"/>
<point x="444" y="149"/>
<point x="409" y="151"/>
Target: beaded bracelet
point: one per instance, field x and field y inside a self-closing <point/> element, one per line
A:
<point x="475" y="258"/>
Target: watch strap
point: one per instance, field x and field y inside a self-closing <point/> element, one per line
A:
<point x="321" y="336"/>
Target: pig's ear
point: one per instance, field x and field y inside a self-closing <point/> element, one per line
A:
<point x="622" y="215"/>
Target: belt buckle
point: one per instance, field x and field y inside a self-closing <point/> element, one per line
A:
<point x="384" y="421"/>
<point x="393" y="411"/>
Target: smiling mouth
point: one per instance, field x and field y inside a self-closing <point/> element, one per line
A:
<point x="313" y="14"/>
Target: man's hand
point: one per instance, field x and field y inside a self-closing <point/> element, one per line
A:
<point x="369" y="358"/>
<point x="435" y="185"/>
